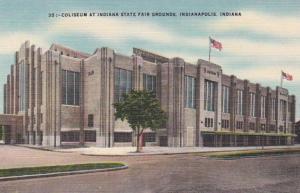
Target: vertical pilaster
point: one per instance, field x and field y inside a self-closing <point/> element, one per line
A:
<point x="199" y="140"/>
<point x="180" y="99"/>
<point x="137" y="72"/>
<point x="38" y="97"/>
<point x="16" y="83"/>
<point x="8" y="94"/>
<point x="232" y="109"/>
<point x="178" y="103"/>
<point x="12" y="90"/>
<point x="105" y="134"/>
<point x="4" y="99"/>
<point x="268" y="109"/>
<point x="167" y="97"/>
<point x="81" y="103"/>
<point x="31" y="94"/>
<point x="27" y="57"/>
<point x="53" y="100"/>
<point x="258" y="107"/>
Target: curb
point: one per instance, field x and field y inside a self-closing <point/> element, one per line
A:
<point x="137" y="154"/>
<point x="171" y="153"/>
<point x="145" y="154"/>
<point x="61" y="173"/>
<point x="43" y="148"/>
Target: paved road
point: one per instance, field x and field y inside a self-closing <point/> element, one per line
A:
<point x="166" y="174"/>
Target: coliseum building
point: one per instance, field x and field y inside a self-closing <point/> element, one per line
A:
<point x="63" y="96"/>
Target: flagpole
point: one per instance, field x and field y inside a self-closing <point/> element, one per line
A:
<point x="209" y="49"/>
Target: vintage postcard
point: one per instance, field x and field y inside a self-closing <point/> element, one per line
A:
<point x="144" y="96"/>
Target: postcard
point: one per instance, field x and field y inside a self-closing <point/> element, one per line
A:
<point x="149" y="96"/>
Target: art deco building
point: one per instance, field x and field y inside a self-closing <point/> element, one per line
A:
<point x="63" y="96"/>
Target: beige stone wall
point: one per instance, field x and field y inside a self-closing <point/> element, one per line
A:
<point x="185" y="126"/>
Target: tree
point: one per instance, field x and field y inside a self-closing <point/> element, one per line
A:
<point x="142" y="110"/>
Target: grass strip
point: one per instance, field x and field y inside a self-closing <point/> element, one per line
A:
<point x="57" y="168"/>
<point x="249" y="153"/>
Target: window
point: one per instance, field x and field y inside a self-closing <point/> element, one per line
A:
<point x="70" y="87"/>
<point x="280" y="128"/>
<point x="239" y="125"/>
<point x="90" y="136"/>
<point x="123" y="83"/>
<point x="149" y="137"/>
<point x="209" y="95"/>
<point x="225" y="123"/>
<point x="189" y="92"/>
<point x="209" y="122"/>
<point x="252" y="104"/>
<point x="263" y="107"/>
<point x="263" y="127"/>
<point x="273" y="108"/>
<point x="70" y="136"/>
<point x="90" y="120"/>
<point x="149" y="82"/>
<point x="272" y="128"/>
<point x="41" y="116"/>
<point x="239" y="102"/>
<point x="252" y="126"/>
<point x="283" y="110"/>
<point x="225" y="99"/>
<point x="122" y="137"/>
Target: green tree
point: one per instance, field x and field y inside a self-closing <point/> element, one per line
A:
<point x="142" y="110"/>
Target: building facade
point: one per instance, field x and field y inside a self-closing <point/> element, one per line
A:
<point x="63" y="96"/>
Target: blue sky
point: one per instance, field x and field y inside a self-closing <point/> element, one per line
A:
<point x="257" y="45"/>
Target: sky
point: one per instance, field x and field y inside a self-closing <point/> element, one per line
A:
<point x="256" y="46"/>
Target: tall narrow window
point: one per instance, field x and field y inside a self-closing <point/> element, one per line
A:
<point x="90" y="120"/>
<point x="209" y="95"/>
<point x="70" y="87"/>
<point x="225" y="99"/>
<point x="263" y="107"/>
<point x="283" y="110"/>
<point x="252" y="104"/>
<point x="149" y="83"/>
<point x="239" y="102"/>
<point x="123" y="83"/>
<point x="189" y="92"/>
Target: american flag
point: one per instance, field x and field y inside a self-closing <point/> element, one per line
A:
<point x="215" y="44"/>
<point x="286" y="76"/>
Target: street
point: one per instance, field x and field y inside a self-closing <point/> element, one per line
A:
<point x="182" y="173"/>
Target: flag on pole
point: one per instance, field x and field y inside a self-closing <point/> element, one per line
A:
<point x="215" y="44"/>
<point x="286" y="76"/>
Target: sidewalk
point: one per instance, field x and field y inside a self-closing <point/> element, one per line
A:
<point x="130" y="151"/>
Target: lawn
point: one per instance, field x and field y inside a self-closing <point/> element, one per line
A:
<point x="249" y="153"/>
<point x="57" y="168"/>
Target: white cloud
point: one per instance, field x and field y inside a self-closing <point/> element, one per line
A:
<point x="120" y="30"/>
<point x="252" y="21"/>
<point x="10" y="42"/>
<point x="244" y="47"/>
<point x="112" y="29"/>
